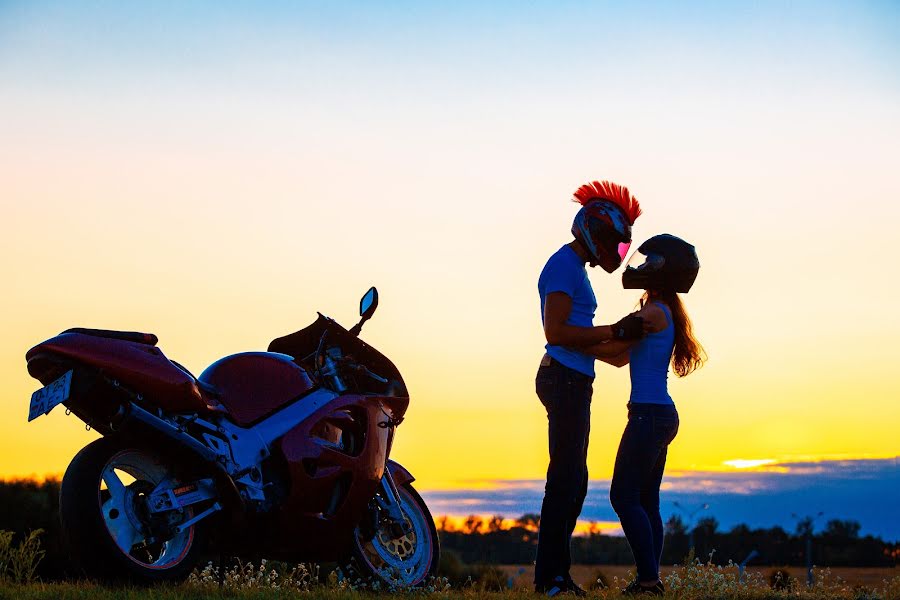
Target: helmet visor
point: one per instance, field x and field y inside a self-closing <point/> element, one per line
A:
<point x="648" y="262"/>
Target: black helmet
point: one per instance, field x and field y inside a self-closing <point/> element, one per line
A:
<point x="664" y="262"/>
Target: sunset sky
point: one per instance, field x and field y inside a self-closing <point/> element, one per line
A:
<point x="216" y="173"/>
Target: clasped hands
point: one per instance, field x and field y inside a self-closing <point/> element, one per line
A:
<point x="630" y="328"/>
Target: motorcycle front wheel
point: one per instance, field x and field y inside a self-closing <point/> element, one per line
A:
<point x="400" y="562"/>
<point x="106" y="526"/>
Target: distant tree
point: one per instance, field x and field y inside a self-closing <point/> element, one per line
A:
<point x="495" y="524"/>
<point x="707" y="527"/>
<point x="472" y="524"/>
<point x="804" y="527"/>
<point x="529" y="521"/>
<point x="705" y="536"/>
<point x="740" y="531"/>
<point x="775" y="545"/>
<point x="840" y="530"/>
<point x="675" y="547"/>
<point x="675" y="526"/>
<point x="778" y="533"/>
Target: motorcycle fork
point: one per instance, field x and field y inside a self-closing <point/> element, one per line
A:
<point x="389" y="502"/>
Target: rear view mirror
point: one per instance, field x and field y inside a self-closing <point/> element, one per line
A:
<point x="368" y="304"/>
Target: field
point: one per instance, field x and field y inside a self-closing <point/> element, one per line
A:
<point x="696" y="582"/>
<point x="95" y="592"/>
<point x="870" y="578"/>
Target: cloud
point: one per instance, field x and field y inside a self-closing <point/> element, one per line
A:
<point x="865" y="490"/>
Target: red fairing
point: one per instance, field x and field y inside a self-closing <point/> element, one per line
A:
<point x="139" y="366"/>
<point x="400" y="475"/>
<point x="332" y="478"/>
<point x="252" y="385"/>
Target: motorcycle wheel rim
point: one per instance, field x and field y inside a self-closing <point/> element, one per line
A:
<point x="117" y="507"/>
<point x="406" y="561"/>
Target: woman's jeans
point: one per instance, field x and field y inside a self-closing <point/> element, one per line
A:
<point x="566" y="394"/>
<point x="634" y="492"/>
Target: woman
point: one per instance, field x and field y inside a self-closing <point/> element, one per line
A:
<point x="663" y="266"/>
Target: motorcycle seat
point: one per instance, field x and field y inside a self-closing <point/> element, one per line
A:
<point x="128" y="336"/>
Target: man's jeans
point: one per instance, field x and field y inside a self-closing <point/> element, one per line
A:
<point x="634" y="492"/>
<point x="566" y="394"/>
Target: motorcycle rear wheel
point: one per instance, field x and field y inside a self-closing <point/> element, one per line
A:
<point x="404" y="562"/>
<point x="105" y="528"/>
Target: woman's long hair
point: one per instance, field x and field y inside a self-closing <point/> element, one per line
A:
<point x="688" y="355"/>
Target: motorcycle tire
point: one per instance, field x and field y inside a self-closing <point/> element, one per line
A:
<point x="97" y="523"/>
<point x="410" y="561"/>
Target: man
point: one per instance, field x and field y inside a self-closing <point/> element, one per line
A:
<point x="602" y="230"/>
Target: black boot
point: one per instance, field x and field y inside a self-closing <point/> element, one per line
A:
<point x="636" y="589"/>
<point x="559" y="585"/>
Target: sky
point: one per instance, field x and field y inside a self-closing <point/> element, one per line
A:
<point x="216" y="173"/>
<point x="777" y="493"/>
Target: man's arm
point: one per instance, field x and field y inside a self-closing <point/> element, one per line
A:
<point x="617" y="361"/>
<point x="558" y="306"/>
<point x="616" y="353"/>
<point x="610" y="348"/>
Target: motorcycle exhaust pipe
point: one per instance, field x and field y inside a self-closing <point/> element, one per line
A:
<point x="142" y="424"/>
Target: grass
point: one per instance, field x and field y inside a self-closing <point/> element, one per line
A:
<point x="855" y="577"/>
<point x="693" y="581"/>
<point x="18" y="562"/>
<point x="83" y="591"/>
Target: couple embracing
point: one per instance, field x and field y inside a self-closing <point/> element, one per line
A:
<point x="648" y="341"/>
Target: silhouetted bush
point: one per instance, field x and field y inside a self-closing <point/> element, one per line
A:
<point x="452" y="567"/>
<point x="489" y="578"/>
<point x="599" y="580"/>
<point x="19" y="562"/>
<point x="781" y="579"/>
<point x="27" y="505"/>
<point x="480" y="576"/>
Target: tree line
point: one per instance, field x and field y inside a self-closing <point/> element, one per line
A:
<point x="838" y="544"/>
<point x="28" y="505"/>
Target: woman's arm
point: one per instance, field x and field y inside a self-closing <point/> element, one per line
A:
<point x="654" y="318"/>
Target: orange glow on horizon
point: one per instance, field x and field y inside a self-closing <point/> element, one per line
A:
<point x="478" y="523"/>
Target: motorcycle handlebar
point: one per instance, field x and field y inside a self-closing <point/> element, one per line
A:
<point x="366" y="371"/>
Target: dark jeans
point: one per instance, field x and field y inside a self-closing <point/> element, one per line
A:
<point x="566" y="394"/>
<point x="634" y="492"/>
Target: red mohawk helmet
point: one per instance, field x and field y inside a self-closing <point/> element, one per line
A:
<point x="603" y="225"/>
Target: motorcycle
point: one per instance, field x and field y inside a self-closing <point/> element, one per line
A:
<point x="283" y="454"/>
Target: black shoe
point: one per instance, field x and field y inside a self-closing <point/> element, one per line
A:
<point x="636" y="589"/>
<point x="574" y="588"/>
<point x="559" y="585"/>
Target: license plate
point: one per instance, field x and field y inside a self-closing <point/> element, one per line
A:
<point x="43" y="400"/>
